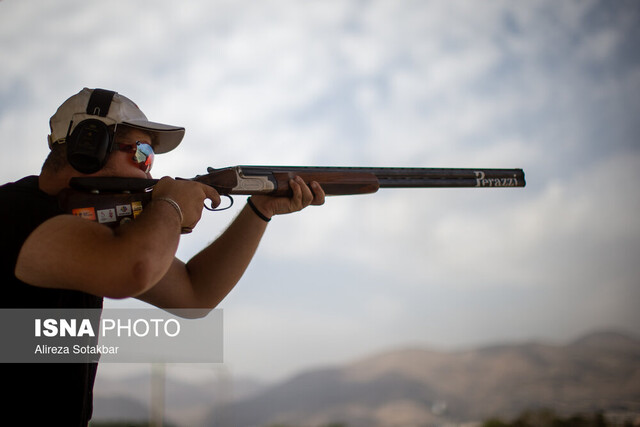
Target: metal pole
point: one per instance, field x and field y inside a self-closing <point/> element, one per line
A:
<point x="158" y="373"/>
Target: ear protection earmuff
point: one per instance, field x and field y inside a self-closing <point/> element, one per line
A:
<point x="90" y="143"/>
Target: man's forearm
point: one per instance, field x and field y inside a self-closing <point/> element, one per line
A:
<point x="216" y="269"/>
<point x="211" y="274"/>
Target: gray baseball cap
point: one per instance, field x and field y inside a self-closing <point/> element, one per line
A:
<point x="121" y="111"/>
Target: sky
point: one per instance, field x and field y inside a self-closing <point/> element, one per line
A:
<point x="551" y="87"/>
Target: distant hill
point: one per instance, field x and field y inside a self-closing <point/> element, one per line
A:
<point x="416" y="387"/>
<point x="186" y="403"/>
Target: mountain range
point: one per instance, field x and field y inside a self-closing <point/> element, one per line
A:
<point x="420" y="386"/>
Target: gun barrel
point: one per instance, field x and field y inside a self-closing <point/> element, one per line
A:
<point x="389" y="177"/>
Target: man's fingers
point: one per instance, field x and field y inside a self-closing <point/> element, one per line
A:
<point x="318" y="194"/>
<point x="307" y="194"/>
<point x="296" y="189"/>
<point x="211" y="194"/>
<point x="302" y="195"/>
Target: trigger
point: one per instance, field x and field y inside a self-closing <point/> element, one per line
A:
<point x="209" y="208"/>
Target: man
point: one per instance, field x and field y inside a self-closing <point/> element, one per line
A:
<point x="54" y="260"/>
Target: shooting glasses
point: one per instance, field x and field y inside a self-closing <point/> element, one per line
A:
<point x="142" y="154"/>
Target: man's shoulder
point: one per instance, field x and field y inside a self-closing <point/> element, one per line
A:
<point x="24" y="197"/>
<point x="26" y="184"/>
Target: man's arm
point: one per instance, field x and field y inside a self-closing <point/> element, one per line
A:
<point x="138" y="259"/>
<point x="212" y="273"/>
<point x="71" y="253"/>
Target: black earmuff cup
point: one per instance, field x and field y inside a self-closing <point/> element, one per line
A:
<point x="89" y="146"/>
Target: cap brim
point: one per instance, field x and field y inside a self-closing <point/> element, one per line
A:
<point x="166" y="137"/>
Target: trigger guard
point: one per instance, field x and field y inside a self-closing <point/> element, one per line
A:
<point x="220" y="209"/>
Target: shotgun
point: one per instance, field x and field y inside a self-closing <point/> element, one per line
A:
<point x="113" y="200"/>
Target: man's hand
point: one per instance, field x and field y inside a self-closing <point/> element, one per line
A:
<point x="302" y="197"/>
<point x="189" y="195"/>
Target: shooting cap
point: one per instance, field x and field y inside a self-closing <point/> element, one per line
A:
<point x="121" y="110"/>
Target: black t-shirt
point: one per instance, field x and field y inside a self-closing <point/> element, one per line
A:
<point x="39" y="394"/>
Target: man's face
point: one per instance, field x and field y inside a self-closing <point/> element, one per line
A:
<point x="121" y="163"/>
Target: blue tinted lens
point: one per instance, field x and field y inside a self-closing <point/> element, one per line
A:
<point x="144" y="156"/>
